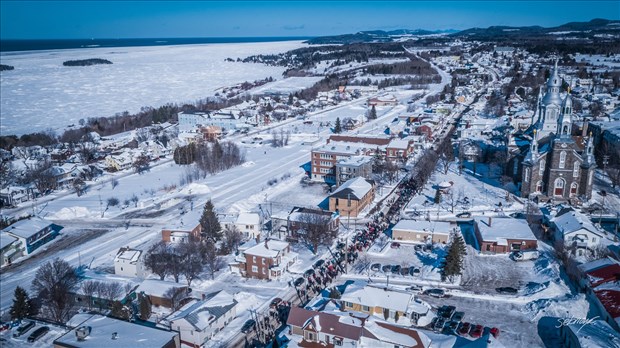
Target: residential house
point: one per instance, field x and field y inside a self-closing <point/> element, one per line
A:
<point x="119" y="162"/>
<point x="352" y="197"/>
<point x="577" y="231"/>
<point x="94" y="330"/>
<point x="129" y="262"/>
<point x="156" y="291"/>
<point x="294" y="222"/>
<point x="321" y="329"/>
<point x="199" y="320"/>
<point x="422" y="231"/>
<point x="211" y="133"/>
<point x="601" y="281"/>
<point x="504" y="235"/>
<point x="353" y="167"/>
<point x="399" y="149"/>
<point x="10" y="249"/>
<point x="181" y="236"/>
<point x="13" y="195"/>
<point x="379" y="301"/>
<point x="103" y="300"/>
<point x="249" y="224"/>
<point x="265" y="260"/>
<point x="32" y="233"/>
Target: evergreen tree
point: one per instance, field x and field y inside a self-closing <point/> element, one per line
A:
<point x="453" y="263"/>
<point x="437" y="197"/>
<point x="211" y="229"/>
<point x="372" y="114"/>
<point x="338" y="126"/>
<point x="144" y="306"/>
<point x="22" y="305"/>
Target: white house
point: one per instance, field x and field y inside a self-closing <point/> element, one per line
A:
<point x="199" y="320"/>
<point x="249" y="224"/>
<point x="577" y="231"/>
<point x="9" y="249"/>
<point x="129" y="262"/>
<point x="189" y="121"/>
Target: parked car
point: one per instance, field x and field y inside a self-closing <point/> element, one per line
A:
<point x="506" y="290"/>
<point x="439" y="324"/>
<point x="319" y="263"/>
<point x="495" y="332"/>
<point x="299" y="281"/>
<point x="476" y="331"/>
<point x="309" y="272"/>
<point x="415" y="288"/>
<point x="524" y="255"/>
<point x="458" y="316"/>
<point x="396" y="269"/>
<point x="248" y="326"/>
<point x="464" y="328"/>
<point x="395" y="245"/>
<point x="23" y="328"/>
<point x="38" y="333"/>
<point x="451" y="327"/>
<point x="413" y="271"/>
<point x="386" y="268"/>
<point x="417" y="247"/>
<point x="446" y="312"/>
<point x="436" y="293"/>
<point x="375" y="267"/>
<point x="464" y="215"/>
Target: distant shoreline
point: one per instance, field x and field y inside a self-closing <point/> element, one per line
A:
<point x="40" y="45"/>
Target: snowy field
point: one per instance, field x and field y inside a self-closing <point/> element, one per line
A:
<point x="41" y="89"/>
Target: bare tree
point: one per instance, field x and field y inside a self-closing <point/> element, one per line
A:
<point x="135" y="200"/>
<point x="156" y="259"/>
<point x="114" y="183"/>
<point x="111" y="202"/>
<point x="315" y="230"/>
<point x="232" y="239"/>
<point x="141" y="164"/>
<point x="452" y="199"/>
<point x="213" y="261"/>
<point x="190" y="255"/>
<point x="52" y="284"/>
<point x="90" y="288"/>
<point x="175" y="295"/>
<point x="79" y="186"/>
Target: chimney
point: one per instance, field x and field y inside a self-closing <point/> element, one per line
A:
<point x="490" y="221"/>
<point x="82" y="332"/>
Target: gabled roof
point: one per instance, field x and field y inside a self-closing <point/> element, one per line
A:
<point x="396" y="335"/>
<point x="570" y="222"/>
<point x="248" y="219"/>
<point x="378" y="297"/>
<point x="129" y="254"/>
<point x="354" y="188"/>
<point x="502" y="229"/>
<point x="604" y="274"/>
<point x="268" y="248"/>
<point x="343" y="326"/>
<point x="6" y="240"/>
<point x="202" y="313"/>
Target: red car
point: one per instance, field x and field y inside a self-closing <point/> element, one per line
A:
<point x="476" y="331"/>
<point x="495" y="332"/>
<point x="464" y="329"/>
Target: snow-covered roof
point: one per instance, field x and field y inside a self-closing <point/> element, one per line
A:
<point x="378" y="297"/>
<point x="440" y="227"/>
<point x="574" y="221"/>
<point x="6" y="240"/>
<point x="269" y="248"/>
<point x="345" y="147"/>
<point x="356" y="187"/>
<point x="200" y="314"/>
<point x="596" y="334"/>
<point x="108" y="332"/>
<point x="341" y="326"/>
<point x="354" y="160"/>
<point x="596" y="264"/>
<point x="394" y="334"/>
<point x="157" y="288"/>
<point x="127" y="253"/>
<point x="402" y="144"/>
<point x="248" y="219"/>
<point x="27" y="227"/>
<point x="501" y="229"/>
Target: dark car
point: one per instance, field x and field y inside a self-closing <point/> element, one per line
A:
<point x="464" y="328"/>
<point x="23" y="328"/>
<point x="506" y="290"/>
<point x="413" y="271"/>
<point x="446" y="312"/>
<point x="395" y="245"/>
<point x="476" y="331"/>
<point x="275" y="302"/>
<point x="386" y="268"/>
<point x="417" y="247"/>
<point x="439" y="324"/>
<point x="299" y="281"/>
<point x="375" y="267"/>
<point x="436" y="293"/>
<point x="396" y="269"/>
<point x="309" y="272"/>
<point x="464" y="215"/>
<point x="38" y="333"/>
<point x="319" y="263"/>
<point x="451" y="327"/>
<point x="458" y="316"/>
<point x="248" y="326"/>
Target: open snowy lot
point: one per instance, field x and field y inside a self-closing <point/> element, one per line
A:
<point x="42" y="93"/>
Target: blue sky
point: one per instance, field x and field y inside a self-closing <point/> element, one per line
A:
<point x="44" y="19"/>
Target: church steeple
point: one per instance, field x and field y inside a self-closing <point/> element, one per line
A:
<point x="532" y="155"/>
<point x="588" y="153"/>
<point x="565" y="122"/>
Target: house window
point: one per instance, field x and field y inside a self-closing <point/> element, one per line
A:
<point x="539" y="186"/>
<point x="488" y="247"/>
<point x="576" y="170"/>
<point x="338" y="342"/>
<point x="348" y="304"/>
<point x="310" y="336"/>
<point x="255" y="269"/>
<point x="541" y="168"/>
<point x="254" y="259"/>
<point x="264" y="270"/>
<point x="558" y="187"/>
<point x="366" y="308"/>
<point x="263" y="259"/>
<point x="562" y="160"/>
<point x="573" y="189"/>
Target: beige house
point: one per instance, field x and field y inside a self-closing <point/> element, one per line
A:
<point x="382" y="302"/>
<point x="422" y="231"/>
<point x="352" y="197"/>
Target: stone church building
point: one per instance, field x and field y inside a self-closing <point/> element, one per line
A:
<point x="556" y="165"/>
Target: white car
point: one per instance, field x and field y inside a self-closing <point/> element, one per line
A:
<point x="524" y="255"/>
